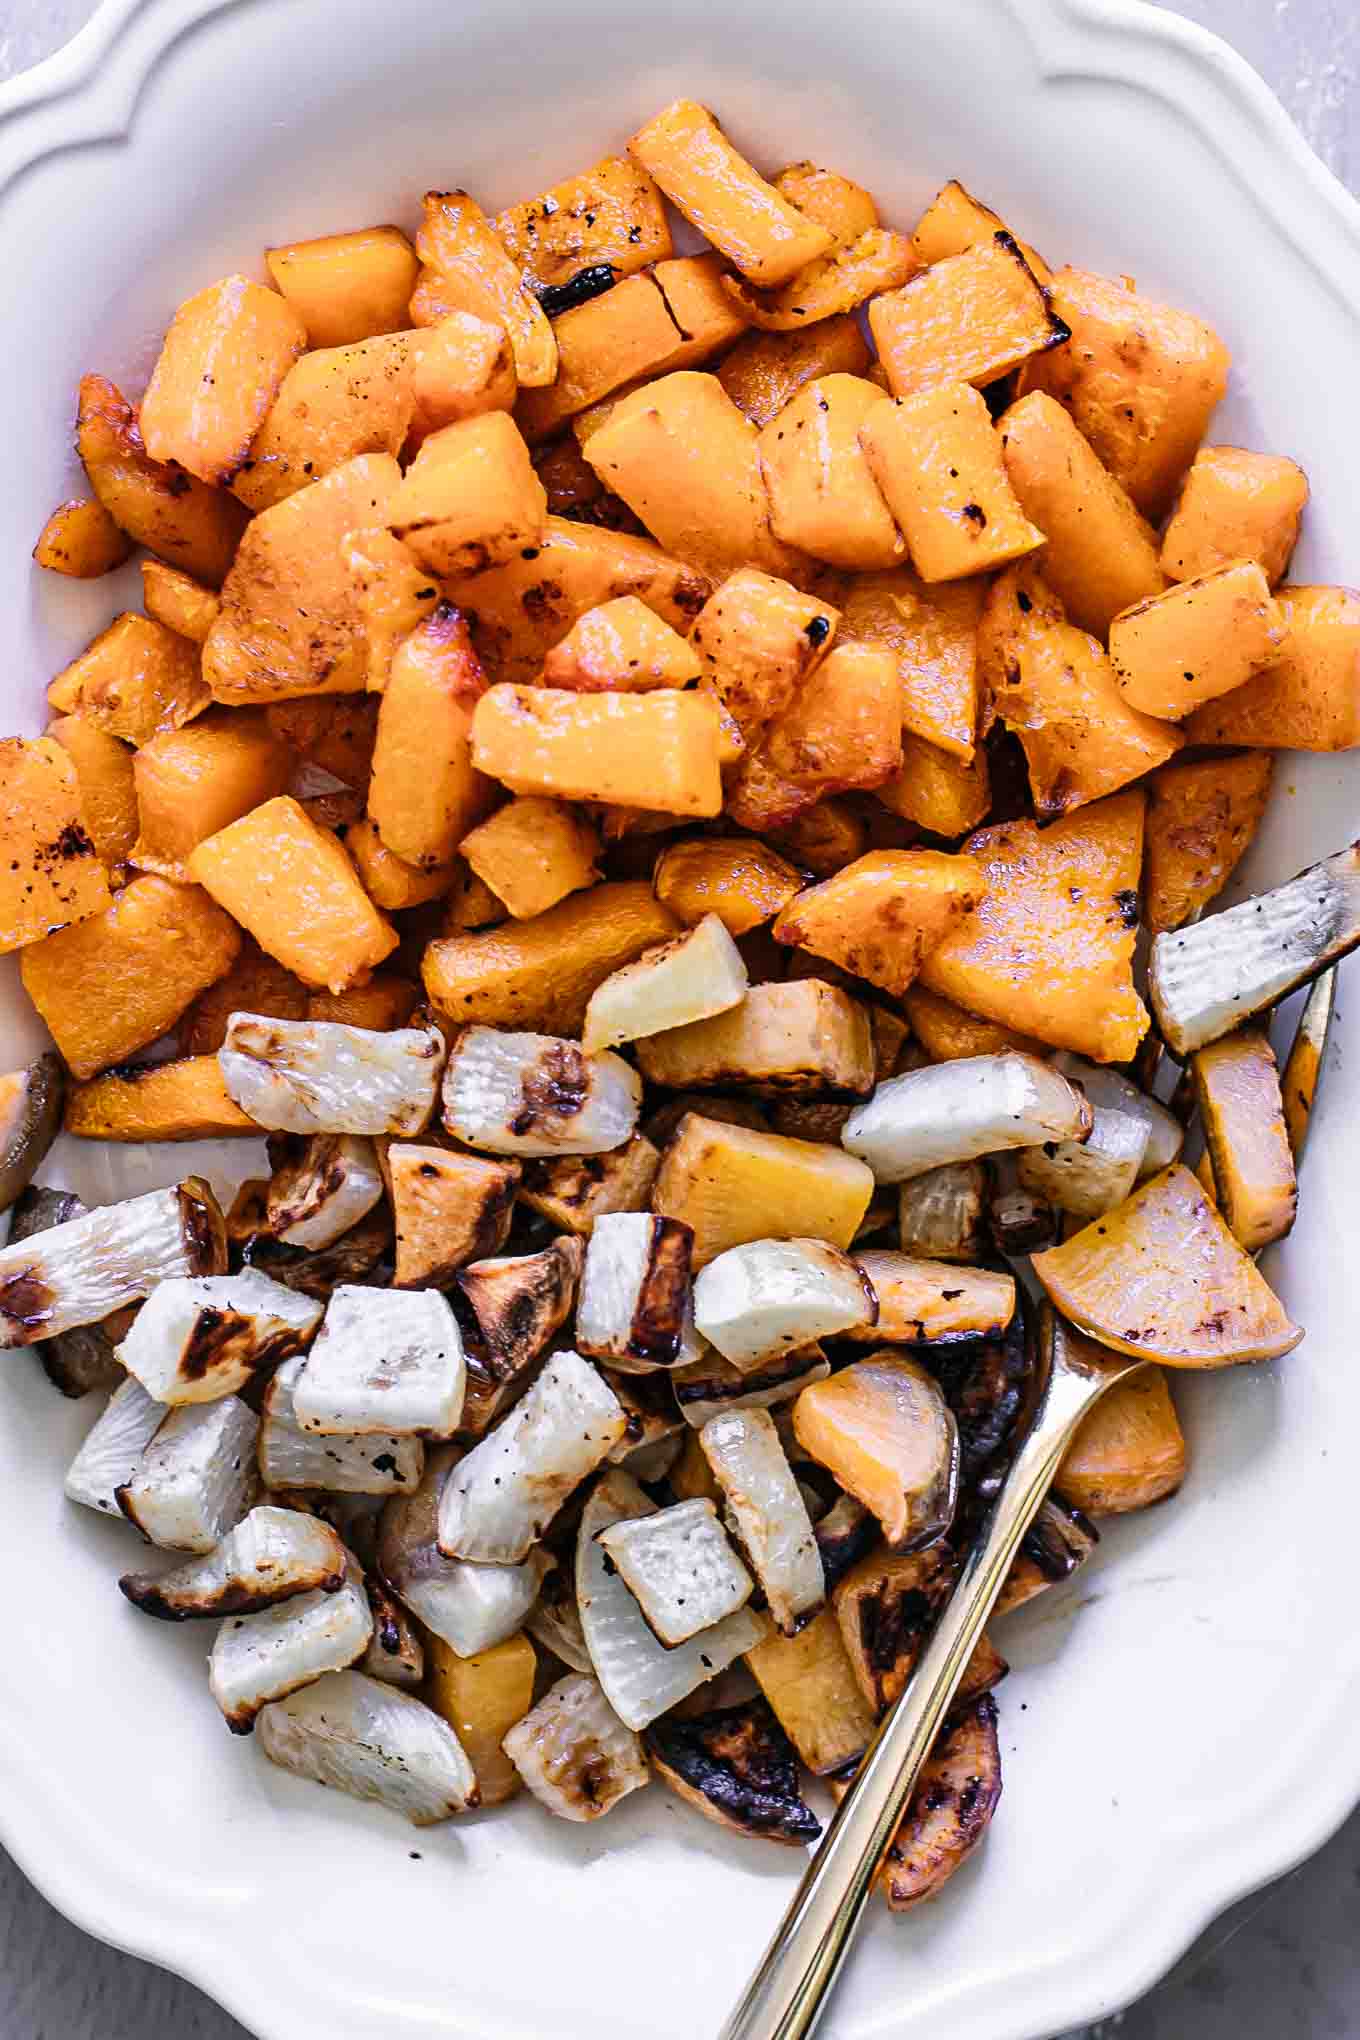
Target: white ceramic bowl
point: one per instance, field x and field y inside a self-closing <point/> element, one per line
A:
<point x="1178" y="1726"/>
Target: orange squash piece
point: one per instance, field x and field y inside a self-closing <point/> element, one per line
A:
<point x="81" y="539"/>
<point x="1049" y="949"/>
<point x="335" y="732"/>
<point x="882" y="1427"/>
<point x="347" y="287"/>
<point x="1201" y="639"/>
<point x="758" y="638"/>
<point x="738" y="878"/>
<point x="882" y="915"/>
<point x="877" y="260"/>
<point x="393" y="594"/>
<point x="1201" y="817"/>
<point x="1161" y="1277"/>
<point x="107" y="795"/>
<point x="50" y="873"/>
<point x="823" y="499"/>
<point x="134" y="679"/>
<point x="171" y="513"/>
<point x="937" y="459"/>
<point x="970" y="317"/>
<point x="290" y="885"/>
<point x="190" y="783"/>
<point x="825" y="837"/>
<point x="1129" y="1452"/>
<point x="465" y="268"/>
<point x="656" y="751"/>
<point x="226" y="352"/>
<point x="390" y="882"/>
<point x="946" y="1032"/>
<point x="184" y="1100"/>
<point x="1309" y="700"/>
<point x="932" y="632"/>
<point x="425" y="794"/>
<point x="938" y="791"/>
<point x="385" y="1002"/>
<point x="1235" y="505"/>
<point x="694" y="287"/>
<point x="459" y="368"/>
<point x="333" y="404"/>
<point x="765" y="371"/>
<point x="955" y="221"/>
<point x="532" y="853"/>
<point x="255" y="983"/>
<point x="733" y="1184"/>
<point x="612" y="213"/>
<point x="471" y="498"/>
<point x="621" y="645"/>
<point x="178" y="601"/>
<point x="1018" y="604"/>
<point x="482" y="1698"/>
<point x="118" y="981"/>
<point x="842" y="732"/>
<point x="602" y="344"/>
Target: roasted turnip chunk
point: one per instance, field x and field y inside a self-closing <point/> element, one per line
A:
<point x="198" y="1337"/>
<point x="322" y="1187"/>
<point x="499" y="1500"/>
<point x="83" y="1358"/>
<point x="641" y="1678"/>
<point x="75" y="1274"/>
<point x="708" y="1386"/>
<point x="767" y="1506"/>
<point x="321" y="1076"/>
<point x="573" y="1752"/>
<point x="1109" y="1088"/>
<point x="1020" y="1221"/>
<point x="679" y="1568"/>
<point x="195" y="1477"/>
<point x="271" y="1555"/>
<point x="635" y="1291"/>
<point x="1091" y="1176"/>
<point x="1206" y="979"/>
<point x="535" y="1094"/>
<point x="470" y="1607"/>
<point x="844" y="1534"/>
<point x="373" y="1464"/>
<point x="942" y="1216"/>
<point x="1058" y="1540"/>
<point x="366" y="1738"/>
<point x="769" y="1296"/>
<point x="925" y="1301"/>
<point x="520" y="1300"/>
<point x="387" y="1360"/>
<point x="952" y="1111"/>
<point x="263" y="1657"/>
<point x="698" y="974"/>
<point x="649" y="1413"/>
<point x="113" y="1448"/>
<point x="738" y="1768"/>
<point x="556" y="1622"/>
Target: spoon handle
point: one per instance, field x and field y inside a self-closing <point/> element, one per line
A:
<point x="788" y="1991"/>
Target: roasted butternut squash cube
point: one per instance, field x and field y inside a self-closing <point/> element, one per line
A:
<point x="425" y="792"/>
<point x="190" y="783"/>
<point x="708" y="319"/>
<point x="878" y="260"/>
<point x="393" y="593"/>
<point x="106" y="795"/>
<point x="955" y="221"/>
<point x="459" y="368"/>
<point x="883" y="1429"/>
<point x="50" y="874"/>
<point x="1048" y="950"/>
<point x="836" y="202"/>
<point x="799" y="1037"/>
<point x="1237" y="1088"/>
<point x="1200" y="639"/>
<point x="655" y="751"/>
<point x="738" y="878"/>
<point x="177" y="600"/>
<point x="937" y="790"/>
<point x="946" y="1032"/>
<point x="177" y="517"/>
<point x="465" y="268"/>
<point x="1101" y="554"/>
<point x="824" y="838"/>
<point x="612" y="213"/>
<point x="603" y="344"/>
<point x="765" y="371"/>
<point x="1201" y="818"/>
<point x="264" y="646"/>
<point x="1235" y="505"/>
<point x="1309" y="700"/>
<point x="758" y="638"/>
<point x="253" y="984"/>
<point x="290" y="884"/>
<point x="385" y="1002"/>
<point x="81" y="539"/>
<point x="572" y="1192"/>
<point x="623" y="646"/>
<point x="184" y="1100"/>
<point x="333" y="404"/>
<point x="532" y="853"/>
<point x="336" y="732"/>
<point x="823" y="499"/>
<point x="932" y="633"/>
<point x="732" y="1184"/>
<point x="227" y="350"/>
<point x="1139" y="378"/>
<point x="970" y="318"/>
<point x="811" y="1685"/>
<point x="482" y="1698"/>
<point x="539" y="974"/>
<point x="347" y="287"/>
<point x="1128" y="1452"/>
<point x="937" y="460"/>
<point x="449" y="1209"/>
<point x="390" y="882"/>
<point x="121" y="979"/>
<point x="519" y="611"/>
<point x="842" y="732"/>
<point x="471" y="498"/>
<point x="882" y="915"/>
<point x="717" y="190"/>
<point x="134" y="679"/>
<point x="471" y="903"/>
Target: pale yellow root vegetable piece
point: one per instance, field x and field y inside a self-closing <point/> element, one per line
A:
<point x="1130" y="1451"/>
<point x="135" y="678"/>
<point x="425" y="792"/>
<point x="460" y="368"/>
<point x="810" y="1683"/>
<point x="50" y="874"/>
<point x="390" y="882"/>
<point x="471" y="498"/>
<point x="937" y="790"/>
<point x="185" y="1100"/>
<point x="883" y="1429"/>
<point x="882" y="915"/>
<point x="765" y="371"/>
<point x="806" y="1036"/>
<point x="669" y="990"/>
<point x="173" y="514"/>
<point x="1101" y="554"/>
<point x="178" y="601"/>
<point x="575" y="1190"/>
<point x="290" y="884"/>
<point x="717" y="190"/>
<point x="81" y="539"/>
<point x="191" y="782"/>
<point x="333" y="405"/>
<point x="1161" y="1277"/>
<point x="262" y="646"/>
<point x="611" y="213"/>
<point x="471" y="903"/>
<point x="118" y="981"/>
<point x="733" y="1184"/>
<point x="538" y="975"/>
<point x="1201" y="639"/>
<point x="686" y="462"/>
<point x="1237" y="1087"/>
<point x="107" y="803"/>
<point x="1235" y="505"/>
<point x="385" y="1002"/>
<point x="347" y="287"/>
<point x="1309" y="700"/>
<point x="841" y="734"/>
<point x="937" y="460"/>
<point x="227" y="350"/>
<point x="955" y="221"/>
<point x="603" y="345"/>
<point x="919" y="1300"/>
<point x="946" y="1032"/>
<point x="465" y="268"/>
<point x="656" y="751"/>
<point x="758" y="638"/>
<point x="738" y="878"/>
<point x="1201" y="817"/>
<point x="933" y="635"/>
<point x="622" y="646"/>
<point x="482" y="1698"/>
<point x="532" y="853"/>
<point x="448" y="1208"/>
<point x="823" y="498"/>
<point x="392" y="593"/>
<point x="970" y="317"/>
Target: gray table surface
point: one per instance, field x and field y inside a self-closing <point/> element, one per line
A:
<point x="1283" y="1965"/>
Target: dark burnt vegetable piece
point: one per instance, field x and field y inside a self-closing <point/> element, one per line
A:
<point x="845" y="1534"/>
<point x="30" y="1115"/>
<point x="362" y="1255"/>
<point x="955" y="1798"/>
<point x="738" y="1768"/>
<point x="83" y="1359"/>
<point x="591" y="282"/>
<point x="987" y="1384"/>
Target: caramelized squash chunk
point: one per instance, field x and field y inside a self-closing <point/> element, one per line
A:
<point x="1235" y="505"/>
<point x="932" y="633"/>
<point x="738" y="878"/>
<point x="606" y="344"/>
<point x="174" y="515"/>
<point x="936" y="457"/>
<point x="810" y="1683"/>
<point x="843" y="731"/>
<point x="449" y="1209"/>
<point x="390" y="882"/>
<point x="955" y="221"/>
<point x="882" y="915"/>
<point x="532" y="853"/>
<point x="459" y="369"/>
<point x="185" y="1100"/>
<point x="332" y="405"/>
<point x="425" y="793"/>
<point x="823" y="499"/>
<point x="656" y="751"/>
<point x="134" y="679"/>
<point x="1201" y="639"/>
<point x="470" y="499"/>
<point x="1201" y="819"/>
<point x="758" y="638"/>
<point x="385" y="1002"/>
<point x="226" y="352"/>
<point x="765" y="371"/>
<point x="732" y="1184"/>
<point x="255" y="983"/>
<point x="920" y="1301"/>
<point x="1129" y="1451"/>
<point x="482" y="1698"/>
<point x="392" y="594"/>
<point x="622" y="646"/>
<point x="82" y="540"/>
<point x="611" y="214"/>
<point x="107" y="794"/>
<point x="50" y="874"/>
<point x="938" y="791"/>
<point x="1237" y="1088"/>
<point x="465" y="268"/>
<point x="876" y="260"/>
<point x="970" y="317"/>
<point x="947" y="1033"/>
<point x="178" y="601"/>
<point x="192" y="782"/>
<point x="1309" y="700"/>
<point x="347" y="287"/>
<point x="883" y="1428"/>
